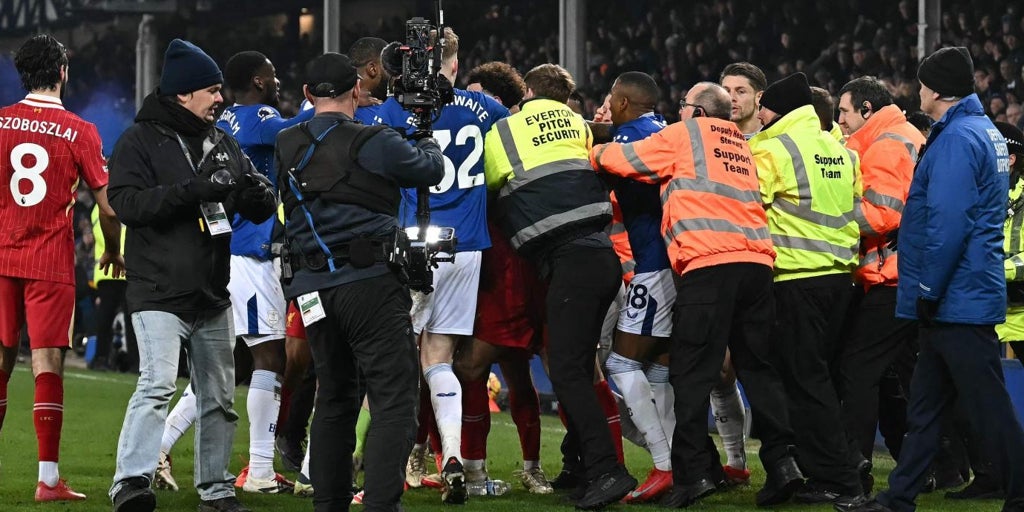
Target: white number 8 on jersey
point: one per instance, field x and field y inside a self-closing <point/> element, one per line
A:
<point x="33" y="174"/>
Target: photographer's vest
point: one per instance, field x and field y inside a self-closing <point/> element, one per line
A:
<point x="325" y="177"/>
<point x="812" y="217"/>
<point x="553" y="195"/>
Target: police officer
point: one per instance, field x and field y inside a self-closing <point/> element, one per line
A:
<point x="340" y="185"/>
<point x="555" y="209"/>
<point x="811" y="187"/>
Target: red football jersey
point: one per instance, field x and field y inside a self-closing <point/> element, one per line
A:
<point x="44" y="150"/>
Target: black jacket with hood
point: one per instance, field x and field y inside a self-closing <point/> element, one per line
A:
<point x="173" y="263"/>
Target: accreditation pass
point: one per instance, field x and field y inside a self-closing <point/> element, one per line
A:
<point x="311" y="309"/>
<point x="216" y="218"/>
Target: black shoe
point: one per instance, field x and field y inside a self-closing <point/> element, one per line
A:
<point x="782" y="481"/>
<point x="577" y="493"/>
<point x="929" y="484"/>
<point x="454" y="480"/>
<point x="867" y="480"/>
<point x="948" y="481"/>
<point x="135" y="496"/>
<point x="291" y="453"/>
<point x="814" y="493"/>
<point x="976" y="491"/>
<point x="226" y="504"/>
<point x="567" y="479"/>
<point x="607" y="489"/>
<point x="850" y="503"/>
<point x="867" y="506"/>
<point x="682" y="496"/>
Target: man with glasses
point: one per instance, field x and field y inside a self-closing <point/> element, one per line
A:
<point x="720" y="248"/>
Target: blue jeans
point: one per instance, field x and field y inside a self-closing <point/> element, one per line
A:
<point x="209" y="339"/>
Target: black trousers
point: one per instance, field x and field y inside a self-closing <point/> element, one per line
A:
<point x="875" y="345"/>
<point x="583" y="284"/>
<point x="367" y="326"/>
<point x="717" y="307"/>
<point x="112" y="299"/>
<point x="808" y="330"/>
<point x="957" y="359"/>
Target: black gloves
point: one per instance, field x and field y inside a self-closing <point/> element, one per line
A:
<point x="255" y="200"/>
<point x="892" y="238"/>
<point x="204" y="188"/>
<point x="926" y="311"/>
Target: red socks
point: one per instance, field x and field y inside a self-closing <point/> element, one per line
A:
<point x="4" y="377"/>
<point x="48" y="414"/>
<point x="525" y="408"/>
<point x="611" y="411"/>
<point x="476" y="420"/>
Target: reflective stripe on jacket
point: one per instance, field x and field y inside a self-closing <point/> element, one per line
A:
<point x="712" y="213"/>
<point x="888" y="146"/>
<point x="811" y="185"/>
<point x="549" y="194"/>
<point x="620" y="242"/>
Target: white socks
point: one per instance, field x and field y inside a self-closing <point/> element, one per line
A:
<point x="636" y="391"/>
<point x="727" y="406"/>
<point x="48" y="473"/>
<point x="664" y="398"/>
<point x="446" y="398"/>
<point x="263" y="404"/>
<point x="179" y="419"/>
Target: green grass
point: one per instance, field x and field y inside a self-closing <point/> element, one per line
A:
<point x="94" y="408"/>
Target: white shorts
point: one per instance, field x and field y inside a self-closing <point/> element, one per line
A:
<point x="257" y="300"/>
<point x="647" y="309"/>
<point x="451" y="307"/>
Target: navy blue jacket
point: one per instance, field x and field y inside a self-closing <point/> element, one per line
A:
<point x="951" y="233"/>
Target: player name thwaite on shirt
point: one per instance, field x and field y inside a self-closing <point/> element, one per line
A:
<point x="37" y="126"/>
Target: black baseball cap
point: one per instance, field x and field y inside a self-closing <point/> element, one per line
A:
<point x="331" y="75"/>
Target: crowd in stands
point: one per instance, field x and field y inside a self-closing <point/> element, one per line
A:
<point x="678" y="43"/>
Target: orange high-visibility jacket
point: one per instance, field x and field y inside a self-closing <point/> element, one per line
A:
<point x="620" y="241"/>
<point x="888" y="146"/>
<point x="711" y="204"/>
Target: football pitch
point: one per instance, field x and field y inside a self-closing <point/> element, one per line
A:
<point x="95" y="404"/>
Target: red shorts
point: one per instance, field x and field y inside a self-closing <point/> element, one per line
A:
<point x="510" y="304"/>
<point x="293" y="327"/>
<point x="47" y="307"/>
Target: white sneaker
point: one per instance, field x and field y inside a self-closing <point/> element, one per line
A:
<point x="415" y="470"/>
<point x="163" y="479"/>
<point x="535" y="481"/>
<point x="277" y="485"/>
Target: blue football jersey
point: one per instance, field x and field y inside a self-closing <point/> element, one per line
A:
<point x="641" y="202"/>
<point x="460" y="200"/>
<point x="255" y="127"/>
<point x="369" y="114"/>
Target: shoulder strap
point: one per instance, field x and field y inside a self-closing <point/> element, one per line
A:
<point x="363" y="136"/>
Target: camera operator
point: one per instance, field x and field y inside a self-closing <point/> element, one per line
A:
<point x="340" y="184"/>
<point x="445" y="317"/>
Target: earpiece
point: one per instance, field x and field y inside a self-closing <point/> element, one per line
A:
<point x="698" y="112"/>
<point x="865" y="109"/>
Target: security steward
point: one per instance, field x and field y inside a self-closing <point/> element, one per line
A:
<point x="721" y="252"/>
<point x="339" y="182"/>
<point x="876" y="341"/>
<point x="810" y="186"/>
<point x="555" y="209"/>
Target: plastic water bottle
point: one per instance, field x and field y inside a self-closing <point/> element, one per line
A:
<point x="488" y="488"/>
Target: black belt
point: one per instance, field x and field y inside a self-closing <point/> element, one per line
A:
<point x="358" y="253"/>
